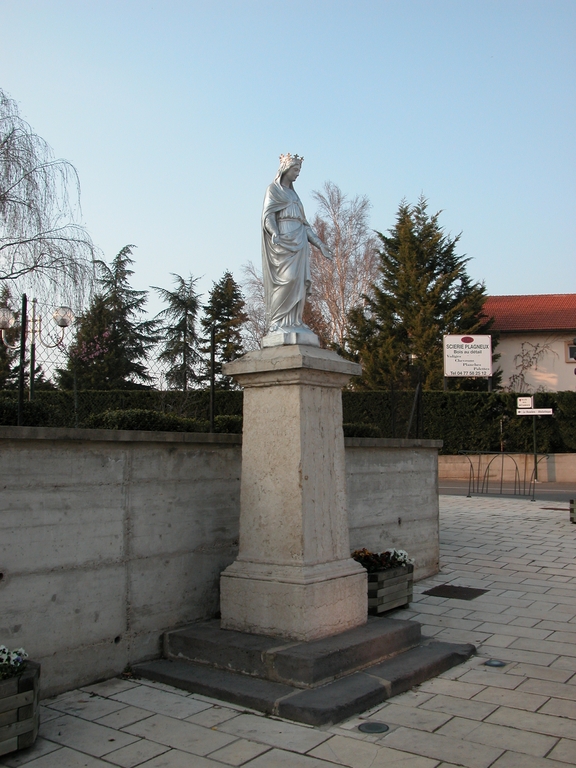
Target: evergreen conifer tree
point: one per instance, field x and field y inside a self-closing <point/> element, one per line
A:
<point x="112" y="341"/>
<point x="180" y="342"/>
<point x="422" y="293"/>
<point x="224" y="310"/>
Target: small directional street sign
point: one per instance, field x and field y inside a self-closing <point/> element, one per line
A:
<point x="525" y="407"/>
<point x="525" y="402"/>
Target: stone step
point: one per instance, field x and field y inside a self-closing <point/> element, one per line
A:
<point x="300" y="664"/>
<point x="324" y="704"/>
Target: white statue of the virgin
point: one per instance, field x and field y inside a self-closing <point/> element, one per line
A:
<point x="286" y="236"/>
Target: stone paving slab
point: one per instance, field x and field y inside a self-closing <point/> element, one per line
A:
<point x="522" y="715"/>
<point x="354" y="754"/>
<point x="87" y="737"/>
<point x="185" y="736"/>
<point x="136" y="754"/>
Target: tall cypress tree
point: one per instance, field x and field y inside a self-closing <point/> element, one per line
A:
<point x="180" y="342"/>
<point x="224" y="310"/>
<point x="423" y="292"/>
<point x="112" y="340"/>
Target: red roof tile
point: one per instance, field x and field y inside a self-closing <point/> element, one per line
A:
<point x="544" y="312"/>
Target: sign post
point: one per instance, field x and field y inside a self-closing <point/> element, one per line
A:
<point x="525" y="407"/>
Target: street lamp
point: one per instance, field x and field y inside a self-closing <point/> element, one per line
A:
<point x="62" y="316"/>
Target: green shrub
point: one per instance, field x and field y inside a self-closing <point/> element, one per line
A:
<point x="361" y="430"/>
<point x="139" y="418"/>
<point x="228" y="424"/>
<point x="35" y="414"/>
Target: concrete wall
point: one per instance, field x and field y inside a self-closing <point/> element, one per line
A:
<point x="554" y="468"/>
<point x="392" y="490"/>
<point x="107" y="538"/>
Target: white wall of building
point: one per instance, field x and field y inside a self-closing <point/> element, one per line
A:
<point x="550" y="370"/>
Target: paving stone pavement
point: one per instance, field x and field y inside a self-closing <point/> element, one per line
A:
<point x="522" y="715"/>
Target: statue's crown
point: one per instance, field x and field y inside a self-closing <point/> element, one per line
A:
<point x="289" y="159"/>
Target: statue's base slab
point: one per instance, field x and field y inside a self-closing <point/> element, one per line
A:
<point x="290" y="336"/>
<point x="318" y="683"/>
<point x="296" y="602"/>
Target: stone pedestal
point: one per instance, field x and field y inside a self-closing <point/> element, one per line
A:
<point x="293" y="577"/>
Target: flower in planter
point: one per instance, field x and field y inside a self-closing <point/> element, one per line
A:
<point x="12" y="663"/>
<point x="372" y="561"/>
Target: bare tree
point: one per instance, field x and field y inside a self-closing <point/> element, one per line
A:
<point x="338" y="286"/>
<point x="41" y="244"/>
<point x="525" y="361"/>
<point x="253" y="289"/>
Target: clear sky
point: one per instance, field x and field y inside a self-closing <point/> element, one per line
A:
<point x="174" y="113"/>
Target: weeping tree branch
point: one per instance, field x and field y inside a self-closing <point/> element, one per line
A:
<point x="42" y="245"/>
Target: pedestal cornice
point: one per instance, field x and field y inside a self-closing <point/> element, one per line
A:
<point x="291" y="364"/>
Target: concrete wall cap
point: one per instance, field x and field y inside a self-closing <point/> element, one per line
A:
<point x="142" y="436"/>
<point x="391" y="442"/>
<point x="116" y="435"/>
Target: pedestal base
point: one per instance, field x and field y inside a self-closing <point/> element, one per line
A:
<point x="289" y="336"/>
<point x="299" y="603"/>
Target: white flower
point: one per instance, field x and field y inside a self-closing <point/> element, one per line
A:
<point x="11" y="661"/>
<point x="399" y="557"/>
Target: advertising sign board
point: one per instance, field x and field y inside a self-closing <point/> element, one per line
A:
<point x="467" y="355"/>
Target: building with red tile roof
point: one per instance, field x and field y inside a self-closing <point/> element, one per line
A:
<point x="537" y="340"/>
<point x="551" y="312"/>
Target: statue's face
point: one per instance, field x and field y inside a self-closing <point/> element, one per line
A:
<point x="292" y="173"/>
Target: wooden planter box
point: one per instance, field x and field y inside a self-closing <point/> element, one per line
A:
<point x="390" y="589"/>
<point x="19" y="709"/>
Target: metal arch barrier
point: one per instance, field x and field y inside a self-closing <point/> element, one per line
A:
<point x="475" y="478"/>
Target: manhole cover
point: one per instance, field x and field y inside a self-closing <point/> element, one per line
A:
<point x="373" y="727"/>
<point x="456" y="593"/>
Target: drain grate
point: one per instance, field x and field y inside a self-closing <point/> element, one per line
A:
<point x="373" y="727"/>
<point x="456" y="593"/>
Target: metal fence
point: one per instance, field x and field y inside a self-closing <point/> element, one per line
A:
<point x="33" y="356"/>
<point x="499" y="472"/>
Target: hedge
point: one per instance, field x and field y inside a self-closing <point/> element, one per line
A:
<point x="465" y="421"/>
<point x="470" y="421"/>
<point x="70" y="409"/>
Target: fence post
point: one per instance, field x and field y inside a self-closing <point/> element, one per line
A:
<point x="32" y="352"/>
<point x="22" y="360"/>
<point x="415" y="405"/>
<point x="212" y="375"/>
<point x="535" y="451"/>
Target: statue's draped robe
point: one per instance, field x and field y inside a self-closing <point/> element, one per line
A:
<point x="285" y="265"/>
